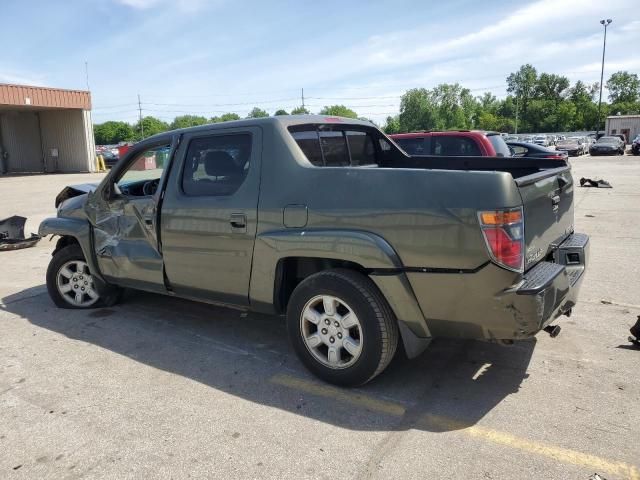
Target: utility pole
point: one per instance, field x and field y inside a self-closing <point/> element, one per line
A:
<point x="86" y="73"/>
<point x="303" y="98"/>
<point x="140" y="116"/>
<point x="605" y="23"/>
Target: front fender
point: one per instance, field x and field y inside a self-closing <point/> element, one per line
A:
<point x="73" y="227"/>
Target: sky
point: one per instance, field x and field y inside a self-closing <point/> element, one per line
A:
<point x="207" y="57"/>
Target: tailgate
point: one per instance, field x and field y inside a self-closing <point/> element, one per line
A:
<point x="547" y="199"/>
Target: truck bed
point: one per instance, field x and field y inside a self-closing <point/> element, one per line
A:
<point x="517" y="167"/>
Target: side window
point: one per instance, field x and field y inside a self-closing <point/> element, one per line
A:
<point x="338" y="148"/>
<point x="334" y="149"/>
<point x="413" y="146"/>
<point x="361" y="148"/>
<point x="455" y="146"/>
<point x="142" y="175"/>
<point x="308" y="142"/>
<point x="520" y="151"/>
<point x="216" y="165"/>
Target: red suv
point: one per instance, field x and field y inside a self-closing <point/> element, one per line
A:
<point x="461" y="143"/>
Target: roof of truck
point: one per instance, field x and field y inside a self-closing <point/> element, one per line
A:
<point x="286" y="120"/>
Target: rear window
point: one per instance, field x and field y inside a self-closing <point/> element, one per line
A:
<point x="455" y="146"/>
<point x="499" y="145"/>
<point x="336" y="148"/>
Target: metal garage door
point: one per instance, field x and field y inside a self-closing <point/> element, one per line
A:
<point x="20" y="138"/>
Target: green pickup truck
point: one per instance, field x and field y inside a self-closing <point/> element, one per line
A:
<point x="326" y="220"/>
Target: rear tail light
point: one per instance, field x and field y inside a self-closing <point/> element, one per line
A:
<point x="555" y="157"/>
<point x="503" y="232"/>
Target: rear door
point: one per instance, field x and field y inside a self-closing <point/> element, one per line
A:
<point x="210" y="214"/>
<point x="548" y="211"/>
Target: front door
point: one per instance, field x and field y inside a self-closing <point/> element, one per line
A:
<point x="210" y="213"/>
<point x="124" y="215"/>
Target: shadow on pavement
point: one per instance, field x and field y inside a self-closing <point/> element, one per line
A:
<point x="455" y="382"/>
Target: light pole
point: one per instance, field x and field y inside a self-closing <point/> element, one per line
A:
<point x="604" y="47"/>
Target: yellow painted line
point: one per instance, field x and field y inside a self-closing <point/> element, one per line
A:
<point x="346" y="396"/>
<point x="560" y="454"/>
<point x="564" y="455"/>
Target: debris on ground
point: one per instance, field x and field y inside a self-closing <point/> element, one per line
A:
<point x="595" y="476"/>
<point x="635" y="331"/>
<point x="587" y="182"/>
<point x="12" y="234"/>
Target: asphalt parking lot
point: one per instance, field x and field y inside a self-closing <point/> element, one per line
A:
<point x="163" y="388"/>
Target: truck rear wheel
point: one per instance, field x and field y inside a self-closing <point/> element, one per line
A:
<point x="70" y="283"/>
<point x="341" y="327"/>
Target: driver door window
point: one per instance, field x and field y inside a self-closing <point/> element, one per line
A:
<point x="142" y="176"/>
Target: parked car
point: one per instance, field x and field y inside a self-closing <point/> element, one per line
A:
<point x="635" y="146"/>
<point x="528" y="139"/>
<point x="620" y="136"/>
<point x="469" y="143"/>
<point x="421" y="247"/>
<point x="541" y="140"/>
<point x="571" y="146"/>
<point x="110" y="159"/>
<point x="582" y="142"/>
<point x="608" y="145"/>
<point x="530" y="150"/>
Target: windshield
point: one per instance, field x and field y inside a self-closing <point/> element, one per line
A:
<point x="608" y="140"/>
<point x="500" y="146"/>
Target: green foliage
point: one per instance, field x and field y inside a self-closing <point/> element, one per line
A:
<point x="152" y="126"/>
<point x="300" y="111"/>
<point x="624" y="87"/>
<point x="280" y="112"/>
<point x="185" y="121"/>
<point x="257" y="113"/>
<point x="111" y="133"/>
<point x="338" y="111"/>
<point x="225" y="117"/>
<point x="392" y="125"/>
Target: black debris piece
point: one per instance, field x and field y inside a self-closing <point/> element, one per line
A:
<point x="12" y="234"/>
<point x="587" y="182"/>
<point x="635" y="331"/>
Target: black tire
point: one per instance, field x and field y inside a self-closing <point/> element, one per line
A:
<point x="377" y="322"/>
<point x="109" y="295"/>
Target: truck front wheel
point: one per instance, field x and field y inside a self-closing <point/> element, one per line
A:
<point x="341" y="327"/>
<point x="70" y="283"/>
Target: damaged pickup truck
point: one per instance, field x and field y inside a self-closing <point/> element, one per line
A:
<point x="326" y="220"/>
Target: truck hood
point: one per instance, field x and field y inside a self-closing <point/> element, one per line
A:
<point x="74" y="191"/>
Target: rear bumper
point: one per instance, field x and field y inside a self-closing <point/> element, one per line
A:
<point x="476" y="306"/>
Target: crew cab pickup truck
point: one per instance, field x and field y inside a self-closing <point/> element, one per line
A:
<point x="326" y="220"/>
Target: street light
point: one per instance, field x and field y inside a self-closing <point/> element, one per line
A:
<point x="605" y="23"/>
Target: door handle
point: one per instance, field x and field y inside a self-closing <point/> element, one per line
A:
<point x="238" y="220"/>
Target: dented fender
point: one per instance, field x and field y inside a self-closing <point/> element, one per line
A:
<point x="73" y="227"/>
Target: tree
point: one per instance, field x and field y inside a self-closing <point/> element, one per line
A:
<point x="257" y="113"/>
<point x="185" y="121"/>
<point x="300" y="111"/>
<point x="417" y="110"/>
<point x="226" y="117"/>
<point x="338" y="111"/>
<point x="624" y="87"/>
<point x="392" y="125"/>
<point x="280" y="112"/>
<point x="522" y="84"/>
<point x="448" y="100"/>
<point x="112" y="132"/>
<point x="551" y="86"/>
<point x="152" y="126"/>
